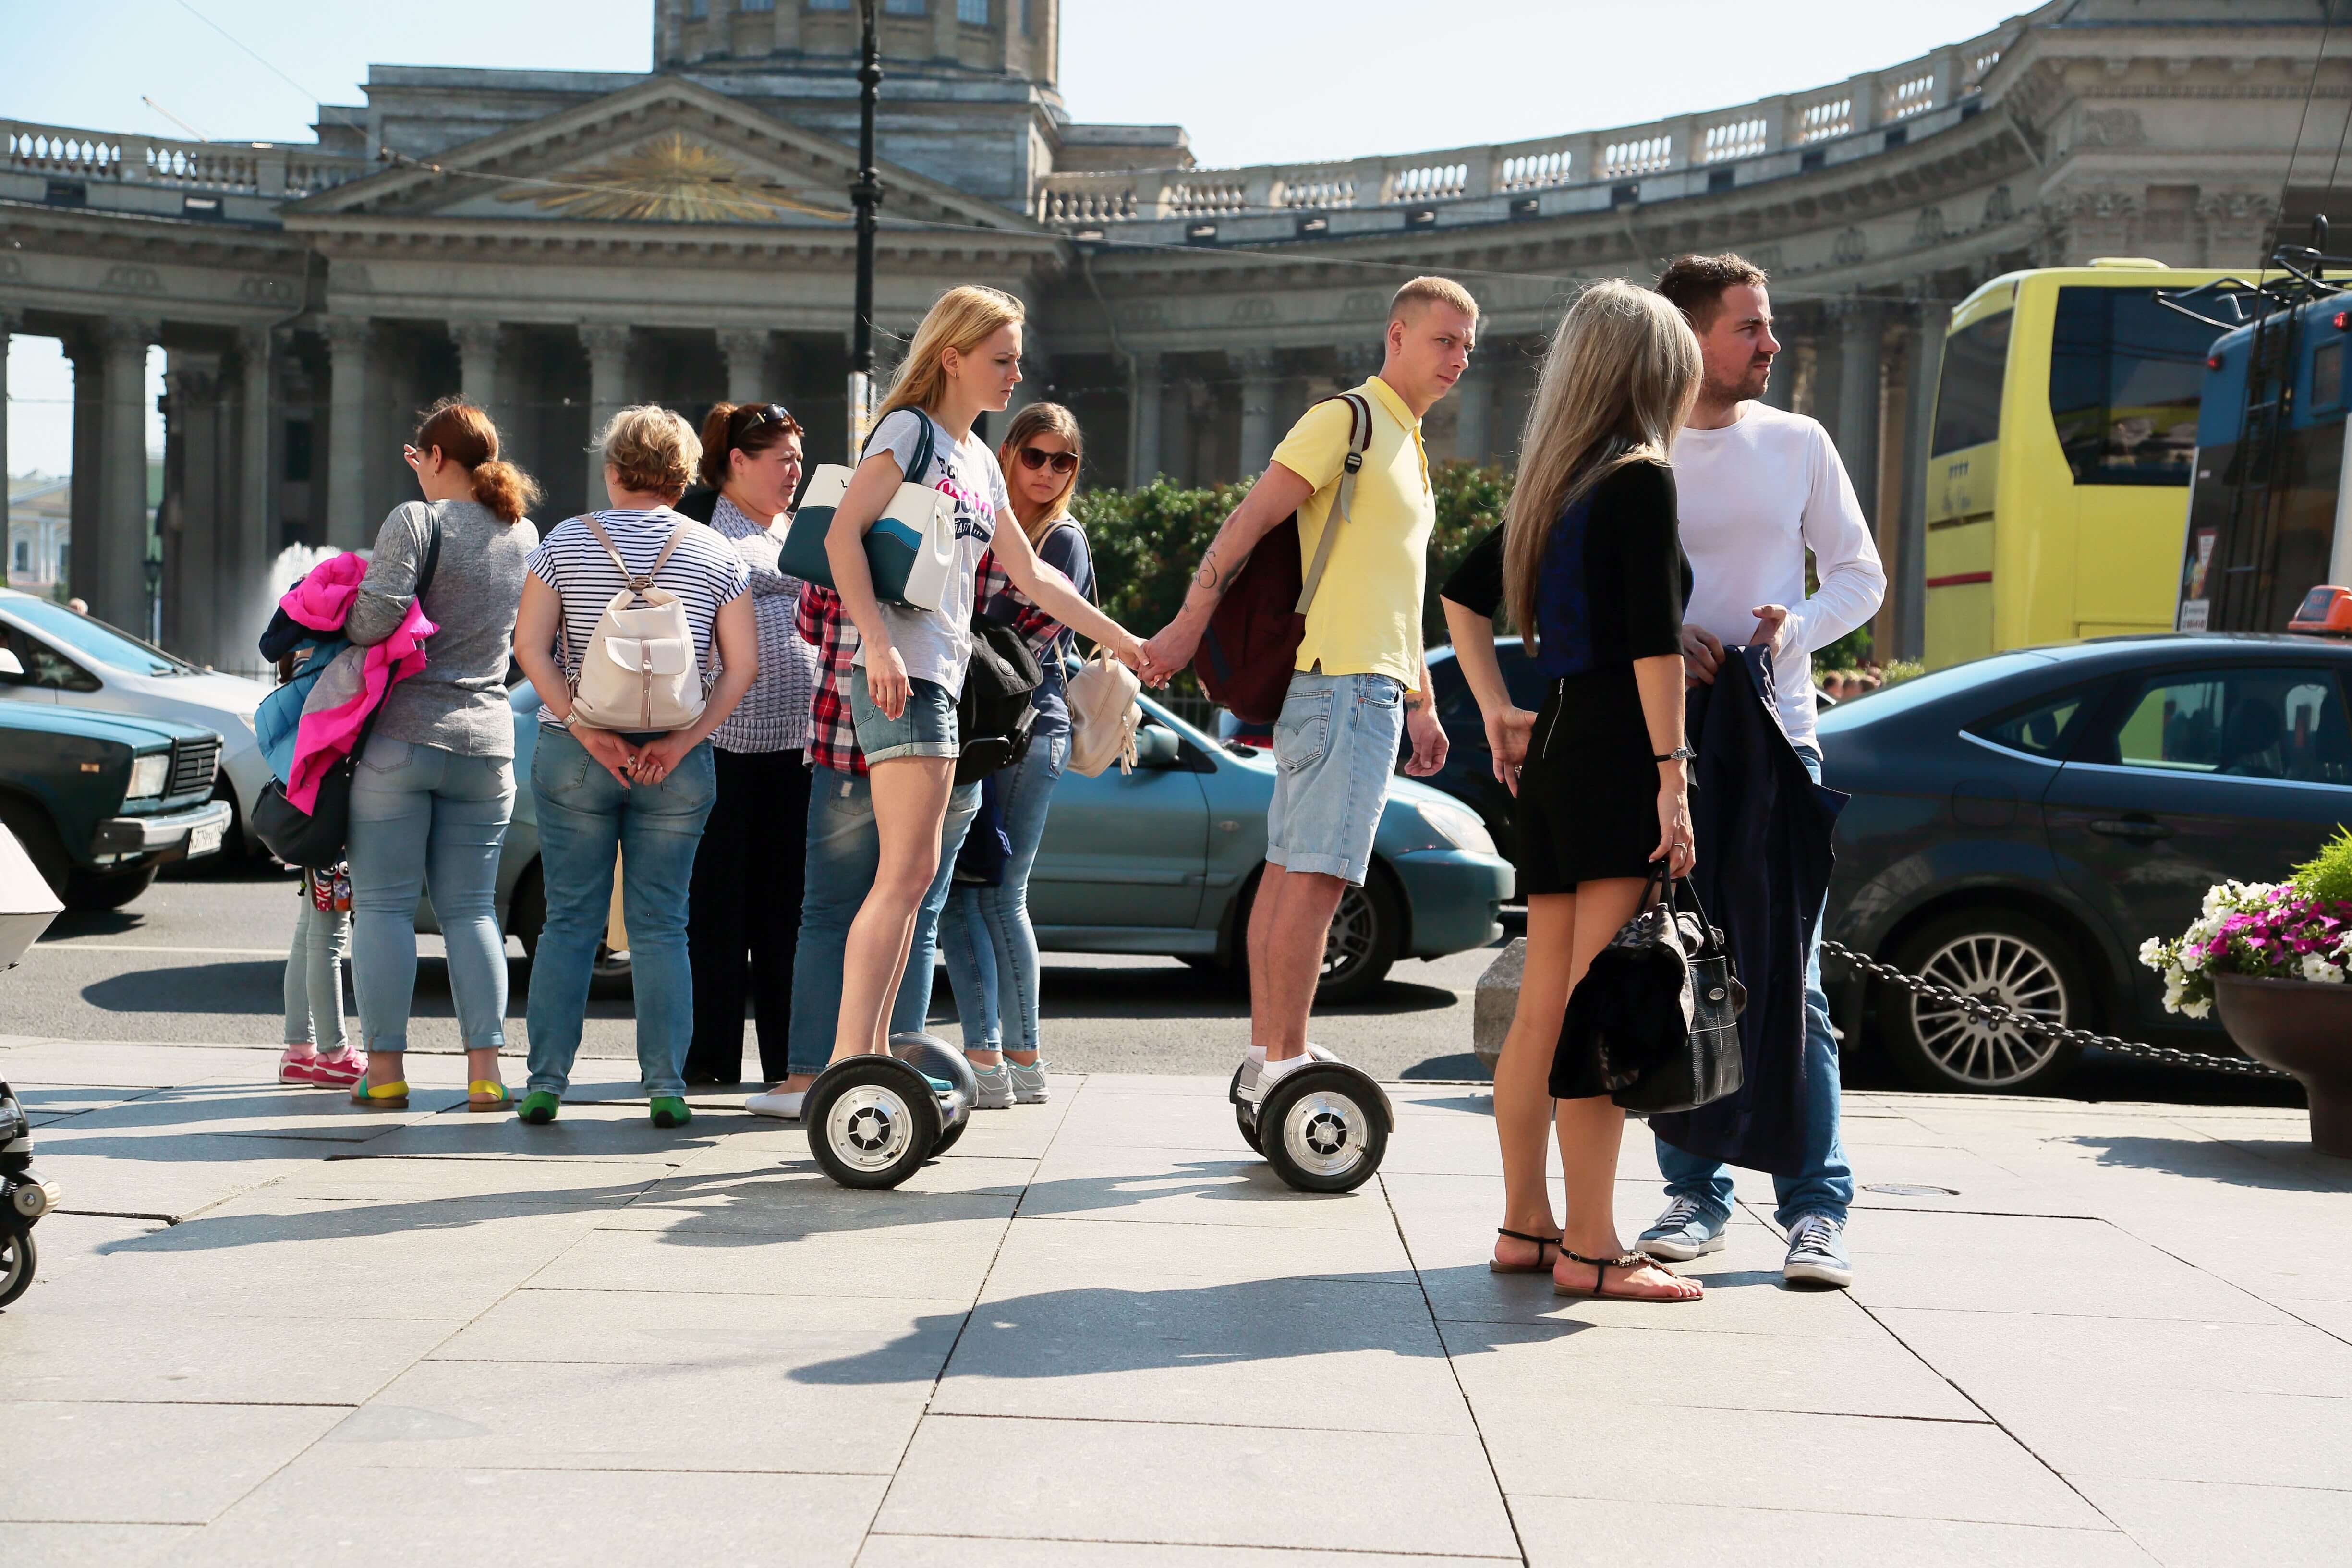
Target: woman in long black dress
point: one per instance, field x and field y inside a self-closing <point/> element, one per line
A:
<point x="1589" y="564"/>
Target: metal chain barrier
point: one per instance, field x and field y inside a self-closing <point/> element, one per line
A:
<point x="1982" y="1010"/>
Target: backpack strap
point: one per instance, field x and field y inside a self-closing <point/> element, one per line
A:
<point x="637" y="586"/>
<point x="1360" y="441"/>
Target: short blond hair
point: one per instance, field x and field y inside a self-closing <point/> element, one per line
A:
<point x="1433" y="291"/>
<point x="651" y="449"/>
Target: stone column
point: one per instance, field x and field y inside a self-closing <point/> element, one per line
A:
<point x="746" y="354"/>
<point x="347" y="339"/>
<point x="478" y="363"/>
<point x="1143" y="418"/>
<point x="1359" y="363"/>
<point x="1261" y="385"/>
<point x="1909" y="588"/>
<point x="1474" y="412"/>
<point x="1176" y="427"/>
<point x="9" y="321"/>
<point x="195" y="523"/>
<point x="83" y="540"/>
<point x="120" y="592"/>
<point x="608" y="393"/>
<point x="246" y="563"/>
<point x="1861" y="325"/>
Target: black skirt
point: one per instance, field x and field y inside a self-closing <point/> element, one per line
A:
<point x="1588" y="806"/>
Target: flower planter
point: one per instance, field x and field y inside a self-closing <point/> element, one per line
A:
<point x="2303" y="1027"/>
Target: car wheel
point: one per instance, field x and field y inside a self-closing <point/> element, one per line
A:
<point x="1366" y="931"/>
<point x="1997" y="955"/>
<point x="85" y="890"/>
<point x="31" y="826"/>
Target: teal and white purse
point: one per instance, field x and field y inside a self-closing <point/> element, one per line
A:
<point x="910" y="548"/>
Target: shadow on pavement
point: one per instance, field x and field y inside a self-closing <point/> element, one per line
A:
<point x="2286" y="1164"/>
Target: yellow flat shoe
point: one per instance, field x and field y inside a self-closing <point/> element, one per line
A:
<point x="488" y="1094"/>
<point x="380" y="1097"/>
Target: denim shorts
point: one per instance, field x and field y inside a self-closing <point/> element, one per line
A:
<point x="1335" y="747"/>
<point x="925" y="727"/>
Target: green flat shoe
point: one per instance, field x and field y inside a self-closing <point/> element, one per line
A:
<point x="669" y="1111"/>
<point x="537" y="1108"/>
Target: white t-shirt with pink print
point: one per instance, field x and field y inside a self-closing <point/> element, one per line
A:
<point x="936" y="645"/>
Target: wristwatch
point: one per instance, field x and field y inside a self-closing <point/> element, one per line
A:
<point x="1680" y="753"/>
<point x="569" y="719"/>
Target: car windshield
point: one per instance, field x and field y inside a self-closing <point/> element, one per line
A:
<point x="94" y="639"/>
<point x="1906" y="695"/>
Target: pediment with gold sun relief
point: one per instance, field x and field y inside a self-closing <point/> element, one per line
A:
<point x="671" y="179"/>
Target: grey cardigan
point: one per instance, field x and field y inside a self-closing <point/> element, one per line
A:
<point x="458" y="700"/>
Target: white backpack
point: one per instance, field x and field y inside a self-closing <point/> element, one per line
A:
<point x="639" y="673"/>
<point x="1103" y="716"/>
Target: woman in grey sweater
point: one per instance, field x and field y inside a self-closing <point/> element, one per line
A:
<point x="436" y="786"/>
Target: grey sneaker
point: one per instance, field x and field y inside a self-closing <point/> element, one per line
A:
<point x="995" y="1088"/>
<point x="1029" y="1082"/>
<point x="1817" y="1252"/>
<point x="1684" y="1232"/>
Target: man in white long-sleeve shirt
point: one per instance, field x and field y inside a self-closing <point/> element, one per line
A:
<point x="1758" y="488"/>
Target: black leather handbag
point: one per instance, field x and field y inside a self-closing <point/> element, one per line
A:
<point x="1661" y="1006"/>
<point x="318" y="839"/>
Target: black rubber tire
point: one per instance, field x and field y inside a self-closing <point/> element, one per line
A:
<point x="934" y="1058"/>
<point x="895" y="1090"/>
<point x="1308" y="1104"/>
<point x="42" y="846"/>
<point x="109" y="890"/>
<point x="1921" y="1066"/>
<point x="950" y="1134"/>
<point x="1242" y="1122"/>
<point x="19" y="1260"/>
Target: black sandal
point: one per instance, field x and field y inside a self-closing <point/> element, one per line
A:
<point x="1600" y="1266"/>
<point x="1537" y="1266"/>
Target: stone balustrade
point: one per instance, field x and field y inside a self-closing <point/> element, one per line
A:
<point x="1872" y="102"/>
<point x="260" y="169"/>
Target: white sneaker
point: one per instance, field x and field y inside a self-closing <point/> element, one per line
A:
<point x="1029" y="1082"/>
<point x="1254" y="1075"/>
<point x="783" y="1107"/>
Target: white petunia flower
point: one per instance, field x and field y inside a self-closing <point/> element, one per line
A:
<point x="2315" y="967"/>
<point x="2152" y="953"/>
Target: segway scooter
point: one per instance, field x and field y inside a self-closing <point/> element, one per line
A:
<point x="1323" y="1128"/>
<point x="873" y="1119"/>
<point x="24" y="1199"/>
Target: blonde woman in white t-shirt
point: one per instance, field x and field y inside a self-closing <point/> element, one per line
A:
<point x="964" y="361"/>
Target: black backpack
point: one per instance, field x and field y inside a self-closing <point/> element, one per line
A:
<point x="993" y="715"/>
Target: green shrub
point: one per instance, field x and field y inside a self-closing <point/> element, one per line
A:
<point x="2327" y="876"/>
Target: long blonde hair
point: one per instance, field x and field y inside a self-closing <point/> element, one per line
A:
<point x="1617" y="384"/>
<point x="1042" y="419"/>
<point x="963" y="318"/>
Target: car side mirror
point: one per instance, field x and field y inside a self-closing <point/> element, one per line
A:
<point x="10" y="667"/>
<point x="1156" y="747"/>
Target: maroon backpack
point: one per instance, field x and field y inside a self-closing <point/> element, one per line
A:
<point x="1251" y="648"/>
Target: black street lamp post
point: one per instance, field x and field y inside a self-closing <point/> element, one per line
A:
<point x="867" y="196"/>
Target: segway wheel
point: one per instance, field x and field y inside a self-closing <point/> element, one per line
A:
<point x="18" y="1259"/>
<point x="1324" y="1129"/>
<point x="1242" y="1118"/>
<point x="872" y="1121"/>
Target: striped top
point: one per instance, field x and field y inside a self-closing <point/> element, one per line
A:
<point x="774" y="714"/>
<point x="704" y="572"/>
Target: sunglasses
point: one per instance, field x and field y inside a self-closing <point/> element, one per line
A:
<point x="1034" y="457"/>
<point x="751" y="416"/>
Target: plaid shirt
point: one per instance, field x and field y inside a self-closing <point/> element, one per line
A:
<point x="821" y="621"/>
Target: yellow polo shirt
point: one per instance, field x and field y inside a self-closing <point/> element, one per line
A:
<point x="1366" y="618"/>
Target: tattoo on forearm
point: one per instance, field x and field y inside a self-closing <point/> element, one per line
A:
<point x="1216" y="576"/>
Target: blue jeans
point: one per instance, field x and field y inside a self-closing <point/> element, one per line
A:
<point x="584" y="815"/>
<point x="844" y="853"/>
<point x="1825" y="1186"/>
<point x="1334" y="748"/>
<point x="424" y="818"/>
<point x="985" y="935"/>
<point x="314" y="975"/>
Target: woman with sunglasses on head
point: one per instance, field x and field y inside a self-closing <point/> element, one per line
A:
<point x="745" y="897"/>
<point x="964" y="361"/>
<point x="985" y="933"/>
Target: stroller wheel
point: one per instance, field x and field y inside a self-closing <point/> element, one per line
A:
<point x="18" y="1259"/>
<point x="1324" y="1129"/>
<point x="872" y="1121"/>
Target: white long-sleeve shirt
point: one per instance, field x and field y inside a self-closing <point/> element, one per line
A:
<point x="1756" y="495"/>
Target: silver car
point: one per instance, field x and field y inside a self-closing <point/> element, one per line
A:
<point x="75" y="660"/>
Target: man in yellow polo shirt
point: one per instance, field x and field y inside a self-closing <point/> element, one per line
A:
<point x="1360" y="682"/>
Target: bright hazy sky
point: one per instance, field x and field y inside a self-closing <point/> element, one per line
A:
<point x="1253" y="80"/>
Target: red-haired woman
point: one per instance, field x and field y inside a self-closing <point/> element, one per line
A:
<point x="436" y="786"/>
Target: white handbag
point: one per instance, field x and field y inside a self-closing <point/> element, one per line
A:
<point x="639" y="673"/>
<point x="1103" y="715"/>
<point x="911" y="550"/>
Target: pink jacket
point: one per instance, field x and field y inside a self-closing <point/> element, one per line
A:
<point x="353" y="686"/>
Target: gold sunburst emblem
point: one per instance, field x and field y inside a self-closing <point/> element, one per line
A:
<point x="668" y="180"/>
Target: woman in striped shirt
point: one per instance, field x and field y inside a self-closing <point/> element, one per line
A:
<point x="599" y="790"/>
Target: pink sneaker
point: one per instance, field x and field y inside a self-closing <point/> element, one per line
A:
<point x="322" y="1072"/>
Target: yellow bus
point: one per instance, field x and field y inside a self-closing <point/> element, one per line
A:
<point x="2063" y="441"/>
